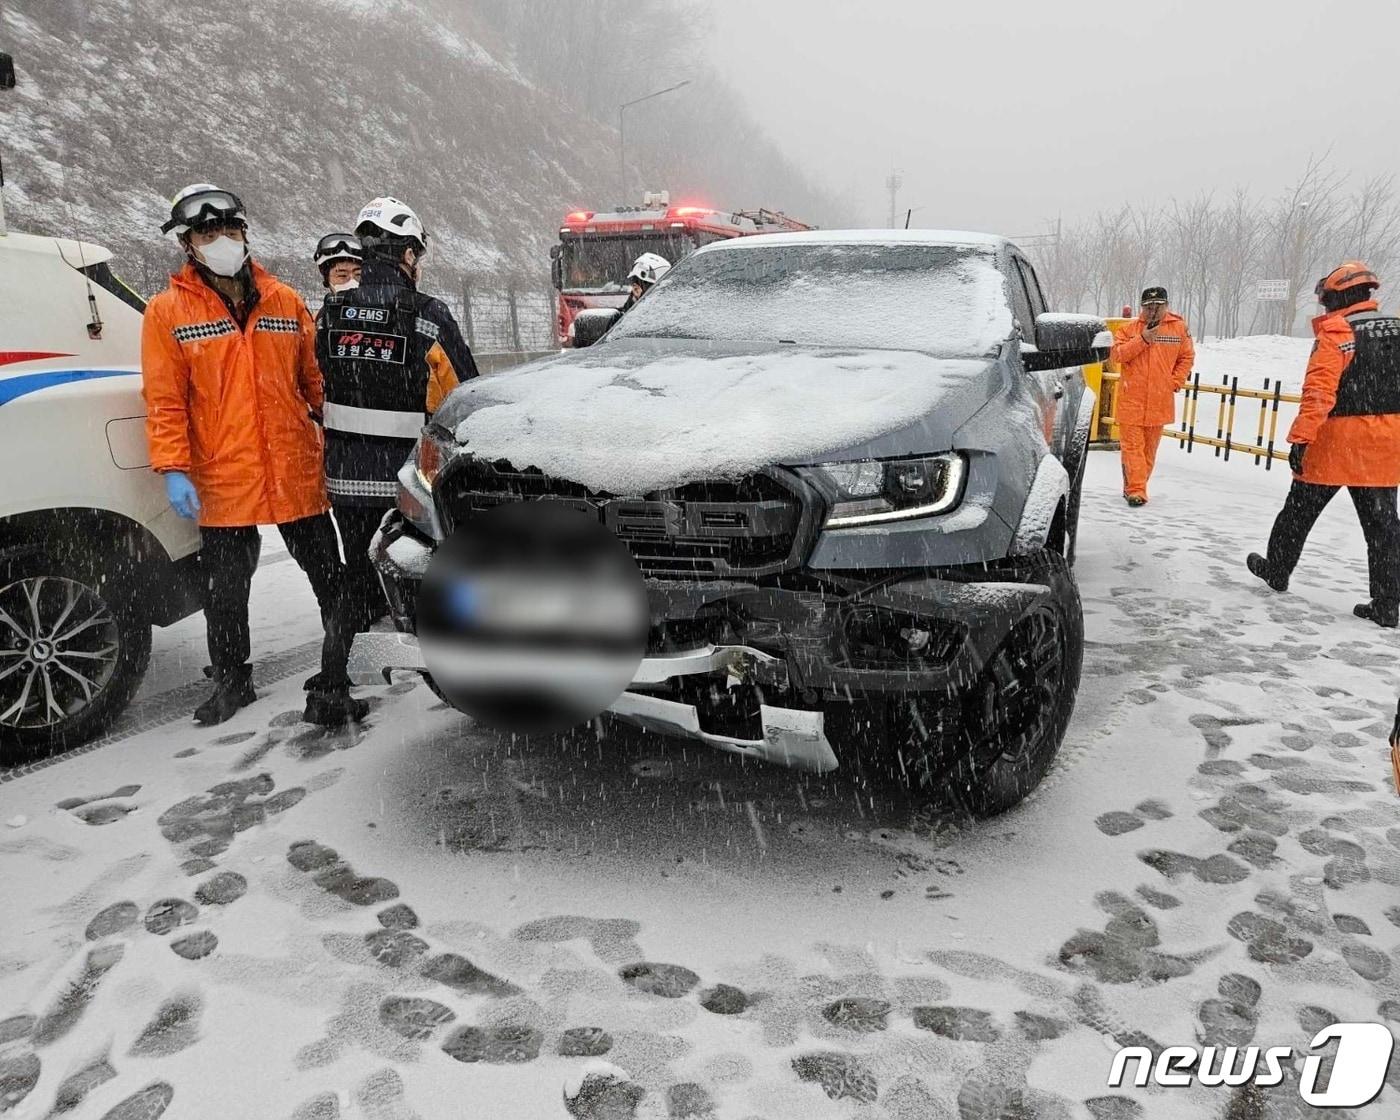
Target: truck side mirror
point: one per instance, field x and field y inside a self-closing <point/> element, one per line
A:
<point x="1066" y="340"/>
<point x="556" y="269"/>
<point x="590" y="325"/>
<point x="7" y="71"/>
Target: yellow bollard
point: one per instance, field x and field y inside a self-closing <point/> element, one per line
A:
<point x="1102" y="377"/>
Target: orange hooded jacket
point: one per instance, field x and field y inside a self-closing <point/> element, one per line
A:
<point x="232" y="408"/>
<point x="1153" y="372"/>
<point x="1342" y="450"/>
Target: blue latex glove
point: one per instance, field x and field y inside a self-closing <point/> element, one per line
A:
<point x="180" y="492"/>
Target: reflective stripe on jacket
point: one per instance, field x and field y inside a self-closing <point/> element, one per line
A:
<point x="1349" y="390"/>
<point x="232" y="406"/>
<point x="389" y="355"/>
<point x="1152" y="372"/>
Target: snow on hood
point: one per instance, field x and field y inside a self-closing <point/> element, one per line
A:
<point x="627" y="420"/>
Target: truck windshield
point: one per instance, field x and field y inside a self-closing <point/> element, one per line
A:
<point x="601" y="264"/>
<point x="946" y="300"/>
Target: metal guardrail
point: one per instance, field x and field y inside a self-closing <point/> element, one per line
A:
<point x="1228" y="394"/>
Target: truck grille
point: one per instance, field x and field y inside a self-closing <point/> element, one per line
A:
<point x="704" y="530"/>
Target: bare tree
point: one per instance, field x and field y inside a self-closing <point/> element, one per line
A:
<point x="1371" y="231"/>
<point x="1299" y="229"/>
<point x="1193" y="231"/>
<point x="1238" y="240"/>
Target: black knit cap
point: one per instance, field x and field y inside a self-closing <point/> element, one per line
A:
<point x="1155" y="294"/>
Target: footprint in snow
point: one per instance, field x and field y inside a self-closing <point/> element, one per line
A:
<point x="74" y="1088"/>
<point x="414" y="1018"/>
<point x="1346" y="859"/>
<point x="613" y="939"/>
<point x="381" y="1097"/>
<point x="1125" y="952"/>
<point x="1213" y="869"/>
<point x="1230" y="1019"/>
<point x="19" y="1073"/>
<point x="961" y="1024"/>
<point x="857" y="1013"/>
<point x="144" y="1104"/>
<point x="841" y="1076"/>
<point x="504" y="1045"/>
<point x="334" y="875"/>
<point x="1116" y="823"/>
<point x="671" y="981"/>
<point x="76" y="802"/>
<point x="174" y="1027"/>
<point x="689" y="1101"/>
<point x="204" y="826"/>
<point x="1268" y="939"/>
<point x="323" y="1106"/>
<point x="68" y="1008"/>
<point x="1113" y="1108"/>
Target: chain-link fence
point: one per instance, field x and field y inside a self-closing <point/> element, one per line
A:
<point x="505" y="318"/>
<point x="496" y="317"/>
<point x="498" y="314"/>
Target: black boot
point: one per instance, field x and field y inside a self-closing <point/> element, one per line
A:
<point x="233" y="689"/>
<point x="1261" y="567"/>
<point x="1383" y="612"/>
<point x="333" y="707"/>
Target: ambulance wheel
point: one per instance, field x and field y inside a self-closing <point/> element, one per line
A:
<point x="73" y="651"/>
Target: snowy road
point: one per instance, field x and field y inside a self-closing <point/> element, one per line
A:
<point x="418" y="919"/>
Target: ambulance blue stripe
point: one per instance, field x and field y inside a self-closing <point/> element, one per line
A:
<point x="12" y="388"/>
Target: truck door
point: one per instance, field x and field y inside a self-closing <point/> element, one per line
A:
<point x="1061" y="389"/>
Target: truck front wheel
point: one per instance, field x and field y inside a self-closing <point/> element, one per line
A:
<point x="72" y="652"/>
<point x="1018" y="709"/>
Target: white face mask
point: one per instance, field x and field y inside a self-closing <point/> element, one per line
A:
<point x="346" y="286"/>
<point x="223" y="256"/>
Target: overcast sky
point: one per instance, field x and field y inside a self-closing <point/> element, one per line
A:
<point x="1004" y="113"/>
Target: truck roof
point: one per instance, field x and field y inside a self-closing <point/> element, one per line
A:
<point x="79" y="254"/>
<point x="862" y="237"/>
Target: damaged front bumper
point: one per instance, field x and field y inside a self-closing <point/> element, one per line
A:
<point x="752" y="669"/>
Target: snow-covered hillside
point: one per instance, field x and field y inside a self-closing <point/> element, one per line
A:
<point x="305" y="115"/>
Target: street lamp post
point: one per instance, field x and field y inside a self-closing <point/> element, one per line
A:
<point x="622" y="132"/>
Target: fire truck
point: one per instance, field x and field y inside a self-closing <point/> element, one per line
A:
<point x="596" y="249"/>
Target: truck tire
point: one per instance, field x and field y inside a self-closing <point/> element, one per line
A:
<point x="1017" y="711"/>
<point x="73" y="651"/>
<point x="982" y="750"/>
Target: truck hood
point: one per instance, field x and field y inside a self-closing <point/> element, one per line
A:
<point x="638" y="415"/>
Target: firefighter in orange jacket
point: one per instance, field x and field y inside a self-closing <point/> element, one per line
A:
<point x="231" y="384"/>
<point x="1155" y="353"/>
<point x="1346" y="433"/>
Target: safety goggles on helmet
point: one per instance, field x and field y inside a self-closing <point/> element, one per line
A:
<point x="205" y="208"/>
<point x="338" y="247"/>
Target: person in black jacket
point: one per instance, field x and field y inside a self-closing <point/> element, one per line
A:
<point x="389" y="355"/>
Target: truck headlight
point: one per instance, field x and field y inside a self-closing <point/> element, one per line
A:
<point x="435" y="447"/>
<point x="872" y="491"/>
<point x="430" y="455"/>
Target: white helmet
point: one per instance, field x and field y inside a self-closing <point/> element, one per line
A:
<point x="648" y="269"/>
<point x="388" y="216"/>
<point x="200" y="203"/>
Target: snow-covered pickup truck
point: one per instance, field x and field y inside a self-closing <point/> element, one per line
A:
<point x="848" y="465"/>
